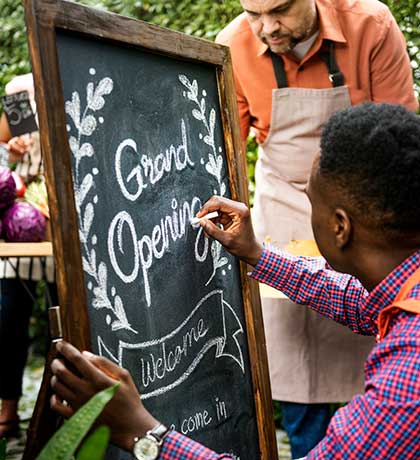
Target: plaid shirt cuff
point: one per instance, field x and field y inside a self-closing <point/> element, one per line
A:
<point x="179" y="447"/>
<point x="274" y="267"/>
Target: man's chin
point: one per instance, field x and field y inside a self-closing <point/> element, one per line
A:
<point x="280" y="48"/>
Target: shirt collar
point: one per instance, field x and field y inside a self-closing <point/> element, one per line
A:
<point x="386" y="291"/>
<point x="329" y="25"/>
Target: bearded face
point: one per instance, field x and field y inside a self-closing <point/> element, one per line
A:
<point x="281" y="24"/>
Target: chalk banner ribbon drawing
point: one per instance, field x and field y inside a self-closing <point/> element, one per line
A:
<point x="167" y="362"/>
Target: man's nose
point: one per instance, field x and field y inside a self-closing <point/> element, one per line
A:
<point x="270" y="24"/>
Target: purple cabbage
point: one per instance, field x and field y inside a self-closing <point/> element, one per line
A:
<point x="7" y="187"/>
<point x="23" y="223"/>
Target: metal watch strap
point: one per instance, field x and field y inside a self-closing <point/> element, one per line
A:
<point x="159" y="432"/>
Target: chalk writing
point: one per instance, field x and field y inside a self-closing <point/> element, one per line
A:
<point x="194" y="335"/>
<point x="202" y="418"/>
<point x="151" y="169"/>
<point x="171" y="227"/>
<point x="220" y="410"/>
<point x="195" y="422"/>
<point x="19" y="114"/>
<point x="17" y="107"/>
<point x="167" y="361"/>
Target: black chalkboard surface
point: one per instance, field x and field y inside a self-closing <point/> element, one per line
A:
<point x="164" y="301"/>
<point x="151" y="123"/>
<point x="18" y="110"/>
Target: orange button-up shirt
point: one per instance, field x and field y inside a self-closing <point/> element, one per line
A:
<point x="370" y="51"/>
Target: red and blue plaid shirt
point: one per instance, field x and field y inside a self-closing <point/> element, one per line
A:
<point x="383" y="423"/>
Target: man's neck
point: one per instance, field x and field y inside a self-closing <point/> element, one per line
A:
<point x="373" y="266"/>
<point x="301" y="49"/>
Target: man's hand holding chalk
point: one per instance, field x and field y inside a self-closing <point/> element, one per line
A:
<point x="210" y="215"/>
<point x="237" y="235"/>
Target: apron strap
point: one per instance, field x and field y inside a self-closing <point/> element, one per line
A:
<point x="334" y="73"/>
<point x="400" y="303"/>
<point x="279" y="71"/>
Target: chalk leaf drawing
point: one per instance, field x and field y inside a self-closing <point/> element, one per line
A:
<point x="214" y="164"/>
<point x="218" y="260"/>
<point x="85" y="124"/>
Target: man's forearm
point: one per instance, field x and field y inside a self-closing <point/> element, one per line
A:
<point x="308" y="281"/>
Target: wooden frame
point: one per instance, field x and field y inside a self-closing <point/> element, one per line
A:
<point x="43" y="18"/>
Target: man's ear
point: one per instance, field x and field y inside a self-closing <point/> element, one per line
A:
<point x="342" y="228"/>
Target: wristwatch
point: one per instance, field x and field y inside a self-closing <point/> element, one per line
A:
<point x="148" y="447"/>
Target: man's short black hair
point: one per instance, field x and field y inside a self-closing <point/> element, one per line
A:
<point x="372" y="153"/>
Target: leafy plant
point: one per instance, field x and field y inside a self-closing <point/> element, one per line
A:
<point x="13" y="50"/>
<point x="95" y="446"/>
<point x="67" y="439"/>
<point x="251" y="159"/>
<point x="202" y="18"/>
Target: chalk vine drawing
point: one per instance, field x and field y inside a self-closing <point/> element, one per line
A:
<point x="85" y="125"/>
<point x="214" y="164"/>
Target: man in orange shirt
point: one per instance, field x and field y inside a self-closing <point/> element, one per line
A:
<point x="296" y="62"/>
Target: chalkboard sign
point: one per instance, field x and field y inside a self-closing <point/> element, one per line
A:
<point x="150" y="119"/>
<point x="18" y="110"/>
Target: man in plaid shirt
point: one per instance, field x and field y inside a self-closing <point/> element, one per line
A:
<point x="364" y="191"/>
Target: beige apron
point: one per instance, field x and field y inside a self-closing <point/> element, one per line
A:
<point x="312" y="359"/>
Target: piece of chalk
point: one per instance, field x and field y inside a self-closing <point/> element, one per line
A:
<point x="210" y="215"/>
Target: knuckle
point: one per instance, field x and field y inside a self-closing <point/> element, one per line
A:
<point x="216" y="200"/>
<point x="243" y="208"/>
<point x="124" y="375"/>
<point x="105" y="362"/>
<point x="229" y="241"/>
<point x="53" y="402"/>
<point x="78" y="360"/>
<point x="54" y="365"/>
<point x="60" y="371"/>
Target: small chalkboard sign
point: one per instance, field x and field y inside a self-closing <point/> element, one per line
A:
<point x="19" y="114"/>
<point x="151" y="123"/>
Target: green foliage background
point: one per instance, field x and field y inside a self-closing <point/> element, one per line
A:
<point x="202" y="18"/>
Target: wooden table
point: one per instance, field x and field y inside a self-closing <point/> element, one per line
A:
<point x="42" y="249"/>
<point x="12" y="252"/>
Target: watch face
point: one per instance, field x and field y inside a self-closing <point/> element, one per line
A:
<point x="146" y="449"/>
